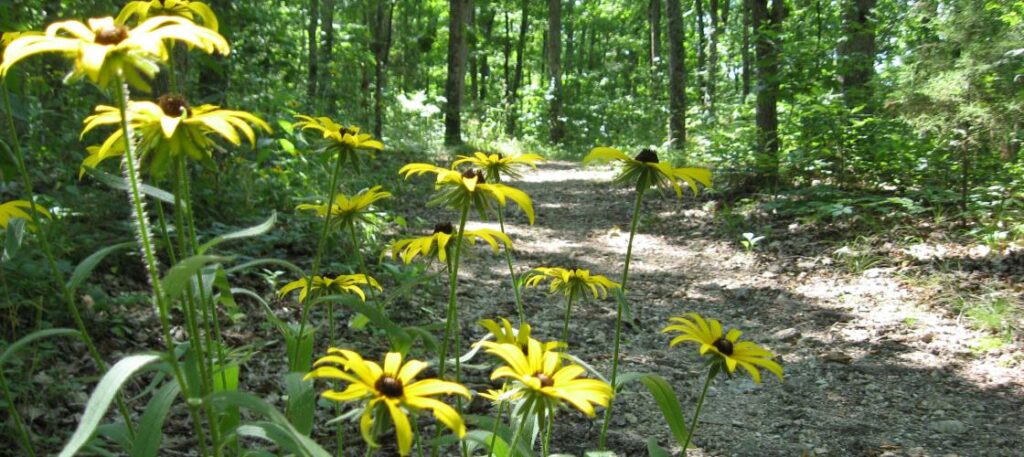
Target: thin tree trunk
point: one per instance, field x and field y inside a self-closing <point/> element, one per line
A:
<point x="472" y="45"/>
<point x="485" y="67"/>
<point x="311" y="39"/>
<point x="716" y="29"/>
<point x="508" y="55"/>
<point x="857" y="52"/>
<point x="456" y="82"/>
<point x="676" y="76"/>
<point x="512" y="97"/>
<point x="745" y="49"/>
<point x="654" y="18"/>
<point x="701" y="47"/>
<point x="557" y="132"/>
<point x="327" y="51"/>
<point x="381" y="48"/>
<point x="767" y="23"/>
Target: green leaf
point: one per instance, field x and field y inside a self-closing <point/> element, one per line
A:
<point x="151" y="424"/>
<point x="180" y="275"/>
<point x="666" y="399"/>
<point x="98" y="403"/>
<point x="12" y="242"/>
<point x="119" y="183"/>
<point x="301" y="402"/>
<point x="653" y="450"/>
<point x="30" y="338"/>
<point x="275" y="428"/>
<point x="86" y="266"/>
<point x="255" y="230"/>
<point x="398" y="336"/>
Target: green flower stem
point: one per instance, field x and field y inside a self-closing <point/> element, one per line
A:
<point x="700" y="403"/>
<point x="548" y="418"/>
<point x="142" y="227"/>
<point x="453" y="317"/>
<point x="162" y="225"/>
<point x="494" y="430"/>
<point x="618" y="313"/>
<point x="568" y="313"/>
<point x="44" y="242"/>
<point x="517" y="434"/>
<point x="511" y="271"/>
<point x="356" y="247"/>
<point x="318" y="257"/>
<point x="19" y="423"/>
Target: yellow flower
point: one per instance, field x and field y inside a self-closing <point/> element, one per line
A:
<point x="505" y="334"/>
<point x="496" y="166"/>
<point x="646" y="171"/>
<point x="182" y="8"/>
<point x="16" y="209"/>
<point x="392" y="386"/>
<point x="573" y="281"/>
<point x="409" y="248"/>
<point x="349" y="209"/>
<point x="539" y="375"/>
<point x="469" y="188"/>
<point x="504" y="394"/>
<point x="103" y="49"/>
<point x="728" y="348"/>
<point x="169" y="128"/>
<point x="341" y="283"/>
<point x="340" y="139"/>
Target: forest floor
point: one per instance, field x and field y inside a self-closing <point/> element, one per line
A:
<point x="873" y="367"/>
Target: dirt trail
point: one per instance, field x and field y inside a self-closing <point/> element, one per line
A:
<point x="869" y="369"/>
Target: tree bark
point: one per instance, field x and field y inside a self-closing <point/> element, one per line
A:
<point x="701" y="46"/>
<point x="326" y="52"/>
<point x="512" y="94"/>
<point x="557" y="132"/>
<point x="311" y="39"/>
<point x="676" y="76"/>
<point x="745" y="49"/>
<point x="456" y="82"/>
<point x="767" y="24"/>
<point x="472" y="49"/>
<point x="709" y="91"/>
<point x="654" y="18"/>
<point x="381" y="48"/>
<point x="485" y="66"/>
<point x="857" y="52"/>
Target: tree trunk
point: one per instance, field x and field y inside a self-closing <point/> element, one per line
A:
<point x="701" y="46"/>
<point x="456" y="82"/>
<point x="676" y="76"/>
<point x="767" y="24"/>
<point x="713" y="57"/>
<point x="745" y="51"/>
<point x="512" y="94"/>
<point x="557" y="132"/>
<point x="381" y="48"/>
<point x="311" y="39"/>
<point x="472" y="49"/>
<point x="327" y="51"/>
<point x="857" y="52"/>
<point x="654" y="18"/>
<point x="485" y="66"/>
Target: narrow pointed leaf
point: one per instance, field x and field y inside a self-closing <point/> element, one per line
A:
<point x="86" y="266"/>
<point x="255" y="230"/>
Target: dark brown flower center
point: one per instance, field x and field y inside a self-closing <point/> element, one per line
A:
<point x="545" y="380"/>
<point x="389" y="387"/>
<point x="172" y="105"/>
<point x="444" y="227"/>
<point x="470" y="174"/>
<point x="648" y="156"/>
<point x="723" y="345"/>
<point x="111" y="35"/>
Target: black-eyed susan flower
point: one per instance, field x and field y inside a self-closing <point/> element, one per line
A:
<point x="19" y="209"/>
<point x="346" y="209"/>
<point x="344" y="140"/>
<point x="646" y="171"/>
<point x="504" y="333"/>
<point x="571" y="281"/>
<point x="497" y="166"/>
<point x="469" y="189"/>
<point x="341" y="283"/>
<point x="438" y="242"/>
<point x="540" y="376"/>
<point x="170" y="128"/>
<point x="104" y="49"/>
<point x="727" y="348"/>
<point x="191" y="10"/>
<point x="392" y="387"/>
